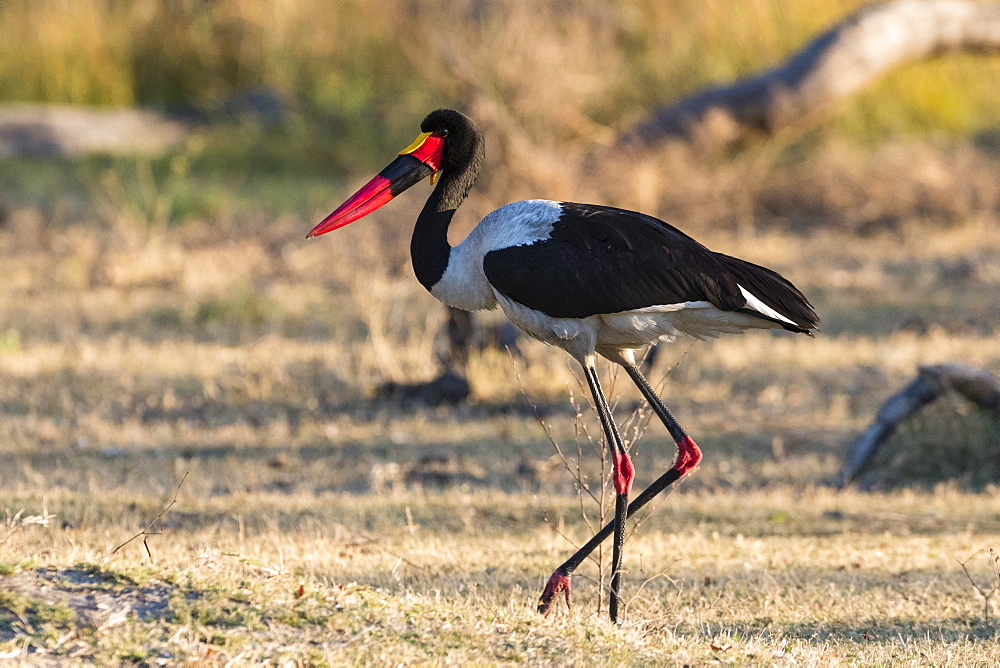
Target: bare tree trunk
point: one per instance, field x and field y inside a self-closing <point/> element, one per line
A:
<point x="848" y="56"/>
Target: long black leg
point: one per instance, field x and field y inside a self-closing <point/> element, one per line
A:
<point x="676" y="431"/>
<point x="688" y="456"/>
<point x="622" y="474"/>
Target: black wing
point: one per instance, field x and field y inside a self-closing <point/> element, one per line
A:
<point x="606" y="260"/>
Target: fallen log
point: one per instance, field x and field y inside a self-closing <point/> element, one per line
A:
<point x="979" y="387"/>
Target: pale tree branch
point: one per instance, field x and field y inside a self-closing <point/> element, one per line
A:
<point x="833" y="66"/>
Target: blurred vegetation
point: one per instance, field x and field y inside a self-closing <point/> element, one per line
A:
<point x="365" y="71"/>
<point x="550" y="81"/>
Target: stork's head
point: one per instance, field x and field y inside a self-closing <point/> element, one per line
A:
<point x="448" y="140"/>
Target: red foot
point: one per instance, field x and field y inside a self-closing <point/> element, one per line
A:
<point x="559" y="582"/>
<point x="623" y="472"/>
<point x="688" y="455"/>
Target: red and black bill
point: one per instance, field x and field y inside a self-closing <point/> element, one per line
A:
<point x="415" y="163"/>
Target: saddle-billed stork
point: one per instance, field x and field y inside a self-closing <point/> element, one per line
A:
<point x="592" y="280"/>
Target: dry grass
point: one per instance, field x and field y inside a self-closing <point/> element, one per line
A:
<point x="160" y="317"/>
<point x="130" y="357"/>
<point x="782" y="576"/>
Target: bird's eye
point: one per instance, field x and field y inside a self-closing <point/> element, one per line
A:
<point x="441" y="133"/>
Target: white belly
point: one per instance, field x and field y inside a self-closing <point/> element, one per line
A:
<point x="635" y="329"/>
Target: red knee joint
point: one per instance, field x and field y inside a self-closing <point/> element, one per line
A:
<point x="559" y="582"/>
<point x="688" y="455"/>
<point x="623" y="473"/>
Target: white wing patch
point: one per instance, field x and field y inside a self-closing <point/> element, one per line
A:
<point x="761" y="307"/>
<point x="518" y="224"/>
